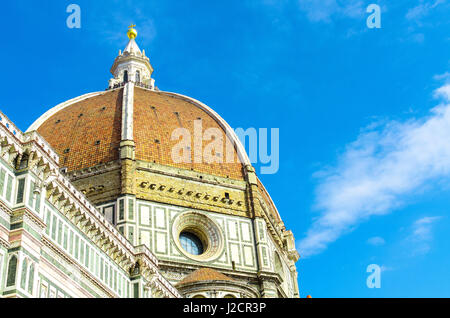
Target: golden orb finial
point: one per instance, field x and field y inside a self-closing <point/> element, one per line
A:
<point x="132" y="33"/>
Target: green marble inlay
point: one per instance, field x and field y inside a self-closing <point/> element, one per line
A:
<point x="31" y="194"/>
<point x="110" y="276"/>
<point x="101" y="268"/>
<point x="86" y="261"/>
<point x="66" y="229"/>
<point x="54" y="227"/>
<point x="130" y="209"/>
<point x="77" y="242"/>
<point x="121" y="209"/>
<point x="96" y="264"/>
<point x="71" y="243"/>
<point x="264" y="255"/>
<point x="2" y="180"/>
<point x="47" y="221"/>
<point x="106" y="272"/>
<point x="37" y="206"/>
<point x="60" y="233"/>
<point x="20" y="191"/>
<point x="9" y="188"/>
<point x="23" y="279"/>
<point x="30" y="279"/>
<point x="131" y="234"/>
<point x="82" y="252"/>
<point x="64" y="270"/>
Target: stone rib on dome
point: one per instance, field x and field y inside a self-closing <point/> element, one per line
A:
<point x="204" y="274"/>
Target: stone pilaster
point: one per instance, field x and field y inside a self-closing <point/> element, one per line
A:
<point x="252" y="180"/>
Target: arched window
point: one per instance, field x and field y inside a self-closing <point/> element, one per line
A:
<point x="23" y="161"/>
<point x="138" y="77"/>
<point x="12" y="271"/>
<point x="229" y="296"/>
<point x="125" y="76"/>
<point x="30" y="279"/>
<point x="199" y="296"/>
<point x="23" y="279"/>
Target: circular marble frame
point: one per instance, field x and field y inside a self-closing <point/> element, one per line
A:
<point x="205" y="229"/>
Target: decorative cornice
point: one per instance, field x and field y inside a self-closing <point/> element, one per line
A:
<point x="190" y="175"/>
<point x="93" y="171"/>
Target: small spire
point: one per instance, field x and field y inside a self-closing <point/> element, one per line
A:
<point x="131" y="65"/>
<point x="132" y="33"/>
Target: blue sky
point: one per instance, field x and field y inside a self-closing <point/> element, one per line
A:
<point x="363" y="113"/>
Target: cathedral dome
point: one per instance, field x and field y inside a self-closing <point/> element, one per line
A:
<point x="150" y="189"/>
<point x="87" y="131"/>
<point x="174" y="135"/>
<point x="133" y="119"/>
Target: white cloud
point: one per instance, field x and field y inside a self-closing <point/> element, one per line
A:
<point x="377" y="171"/>
<point x="443" y="92"/>
<point x="422" y="235"/>
<point x="376" y="241"/>
<point x="324" y="10"/>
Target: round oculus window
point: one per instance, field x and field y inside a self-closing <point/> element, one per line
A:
<point x="197" y="236"/>
<point x="191" y="243"/>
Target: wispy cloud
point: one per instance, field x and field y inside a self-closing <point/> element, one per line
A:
<point x="386" y="268"/>
<point x="112" y="26"/>
<point x="377" y="171"/>
<point x="324" y="10"/>
<point x="421" y="16"/>
<point x="443" y="77"/>
<point x="422" y="235"/>
<point x="376" y="241"/>
<point x="422" y="227"/>
<point x="422" y="10"/>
